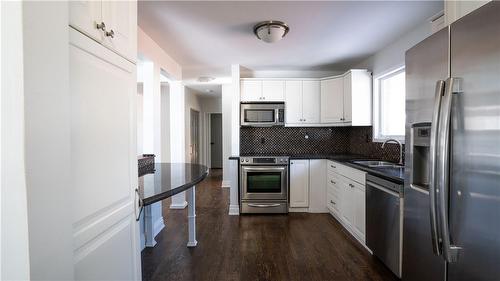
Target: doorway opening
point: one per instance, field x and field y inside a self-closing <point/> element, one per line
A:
<point x="215" y="155"/>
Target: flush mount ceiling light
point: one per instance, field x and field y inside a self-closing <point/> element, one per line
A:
<point x="270" y="31"/>
<point x="205" y="79"/>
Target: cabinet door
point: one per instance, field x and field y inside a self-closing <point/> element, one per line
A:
<point x="102" y="105"/>
<point x="332" y="100"/>
<point x="251" y="90"/>
<point x="84" y="15"/>
<point x="299" y="183"/>
<point x="347" y="97"/>
<point x="358" y="198"/>
<point x="311" y="102"/>
<point x="293" y="101"/>
<point x="346" y="206"/>
<point x="120" y="18"/>
<point x="273" y="90"/>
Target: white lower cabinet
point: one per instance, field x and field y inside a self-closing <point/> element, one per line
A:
<point x="299" y="183"/>
<point x="346" y="197"/>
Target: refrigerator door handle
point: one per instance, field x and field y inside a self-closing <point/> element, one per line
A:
<point x="450" y="252"/>
<point x="433" y="176"/>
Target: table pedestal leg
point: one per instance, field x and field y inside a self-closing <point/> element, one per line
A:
<point x="190" y="197"/>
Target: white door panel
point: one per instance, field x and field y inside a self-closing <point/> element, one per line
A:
<point x="293" y="102"/>
<point x="84" y="15"/>
<point x="251" y="90"/>
<point x="273" y="90"/>
<point x="311" y="101"/>
<point x="332" y="100"/>
<point x="299" y="183"/>
<point x="119" y="16"/>
<point x="104" y="163"/>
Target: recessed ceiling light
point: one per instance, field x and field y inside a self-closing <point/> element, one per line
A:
<point x="205" y="79"/>
<point x="271" y="31"/>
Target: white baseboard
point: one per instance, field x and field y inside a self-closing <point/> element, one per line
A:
<point x="158" y="226"/>
<point x="234" y="210"/>
<point x="179" y="206"/>
<point x="226" y="184"/>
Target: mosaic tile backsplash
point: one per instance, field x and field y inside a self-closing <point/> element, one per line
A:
<point x="297" y="141"/>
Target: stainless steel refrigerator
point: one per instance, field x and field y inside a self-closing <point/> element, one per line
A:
<point x="452" y="183"/>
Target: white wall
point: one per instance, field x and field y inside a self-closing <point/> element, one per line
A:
<point x="14" y="258"/>
<point x="47" y="136"/>
<point x="393" y="55"/>
<point x="211" y="104"/>
<point x="192" y="102"/>
<point x="140" y="121"/>
<point x="148" y="47"/>
<point x="165" y="122"/>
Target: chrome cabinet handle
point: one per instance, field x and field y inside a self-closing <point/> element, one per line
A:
<point x="333" y="166"/>
<point x="101" y="26"/>
<point x="110" y="33"/>
<point x="332" y="181"/>
<point x="433" y="175"/>
<point x="351" y="185"/>
<point x="450" y="252"/>
<point x="331" y="201"/>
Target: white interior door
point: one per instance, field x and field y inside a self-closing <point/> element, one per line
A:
<point x="104" y="162"/>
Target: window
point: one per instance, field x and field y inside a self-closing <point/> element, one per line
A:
<point x="389" y="106"/>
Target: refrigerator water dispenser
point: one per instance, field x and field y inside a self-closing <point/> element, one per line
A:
<point x="420" y="146"/>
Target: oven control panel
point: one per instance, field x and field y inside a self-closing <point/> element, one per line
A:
<point x="262" y="160"/>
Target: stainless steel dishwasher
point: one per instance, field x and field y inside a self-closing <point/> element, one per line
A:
<point x="384" y="221"/>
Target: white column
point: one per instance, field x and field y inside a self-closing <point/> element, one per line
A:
<point x="235" y="138"/>
<point x="177" y="135"/>
<point x="226" y="133"/>
<point x="191" y="198"/>
<point x="153" y="217"/>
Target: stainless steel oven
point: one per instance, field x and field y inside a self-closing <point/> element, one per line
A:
<point x="262" y="114"/>
<point x="264" y="184"/>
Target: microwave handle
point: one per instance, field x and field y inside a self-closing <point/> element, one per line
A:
<point x="277" y="113"/>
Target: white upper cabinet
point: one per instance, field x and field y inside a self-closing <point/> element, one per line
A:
<point x="293" y="102"/>
<point x="332" y="98"/>
<point x="347" y="99"/>
<point x="311" y="102"/>
<point x="111" y="23"/>
<point x="254" y="90"/>
<point x="251" y="90"/>
<point x="358" y="97"/>
<point x="302" y="99"/>
<point x="273" y="90"/>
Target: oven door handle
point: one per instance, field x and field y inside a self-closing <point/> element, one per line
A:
<point x="264" y="205"/>
<point x="265" y="169"/>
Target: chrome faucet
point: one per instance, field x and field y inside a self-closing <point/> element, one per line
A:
<point x="400" y="149"/>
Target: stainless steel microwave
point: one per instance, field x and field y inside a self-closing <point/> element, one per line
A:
<point x="262" y="114"/>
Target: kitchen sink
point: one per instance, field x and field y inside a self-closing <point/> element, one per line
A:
<point x="377" y="164"/>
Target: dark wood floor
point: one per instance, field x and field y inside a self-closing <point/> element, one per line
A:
<point x="296" y="246"/>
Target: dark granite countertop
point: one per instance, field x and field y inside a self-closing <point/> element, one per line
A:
<point x="392" y="174"/>
<point x="168" y="179"/>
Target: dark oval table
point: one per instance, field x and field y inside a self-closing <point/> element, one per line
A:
<point x="168" y="179"/>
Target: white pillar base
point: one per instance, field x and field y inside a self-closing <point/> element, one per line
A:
<point x="179" y="201"/>
<point x="191" y="198"/>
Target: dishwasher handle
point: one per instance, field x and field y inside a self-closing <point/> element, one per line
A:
<point x="382" y="188"/>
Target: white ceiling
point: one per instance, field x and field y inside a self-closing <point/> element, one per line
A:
<point x="207" y="37"/>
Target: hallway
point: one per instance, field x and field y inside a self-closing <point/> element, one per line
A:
<point x="297" y="246"/>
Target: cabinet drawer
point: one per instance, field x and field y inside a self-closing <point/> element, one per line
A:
<point x="333" y="202"/>
<point x="345" y="171"/>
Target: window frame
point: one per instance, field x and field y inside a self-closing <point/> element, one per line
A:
<point x="377" y="117"/>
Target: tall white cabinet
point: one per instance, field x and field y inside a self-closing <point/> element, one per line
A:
<point x="103" y="140"/>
